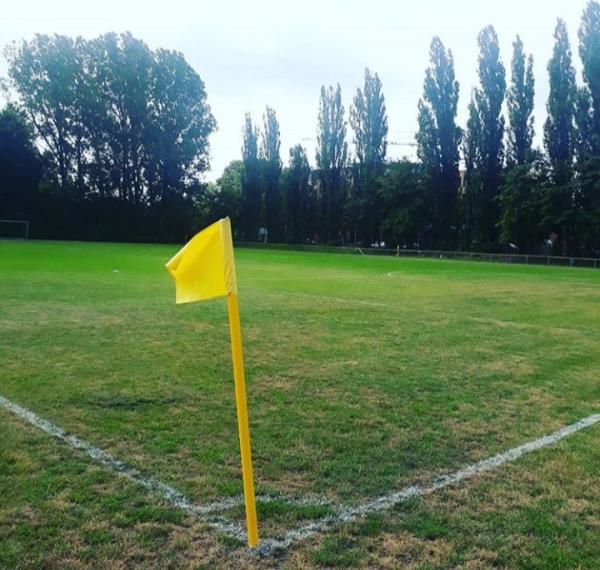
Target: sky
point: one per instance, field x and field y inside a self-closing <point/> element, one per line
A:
<point x="272" y="52"/>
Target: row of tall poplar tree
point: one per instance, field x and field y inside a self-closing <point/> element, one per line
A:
<point x="510" y="192"/>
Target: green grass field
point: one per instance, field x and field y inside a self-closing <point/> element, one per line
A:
<point x="365" y="374"/>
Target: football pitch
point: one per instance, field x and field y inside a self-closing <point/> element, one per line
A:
<point x="368" y="377"/>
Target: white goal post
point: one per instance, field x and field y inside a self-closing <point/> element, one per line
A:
<point x="14" y="229"/>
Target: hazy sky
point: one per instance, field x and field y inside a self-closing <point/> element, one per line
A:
<point x="254" y="53"/>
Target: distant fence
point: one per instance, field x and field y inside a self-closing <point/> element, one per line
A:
<point x="435" y="254"/>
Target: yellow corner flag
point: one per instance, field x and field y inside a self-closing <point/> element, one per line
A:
<point x="204" y="269"/>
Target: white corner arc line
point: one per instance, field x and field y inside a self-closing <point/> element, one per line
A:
<point x="347" y="514"/>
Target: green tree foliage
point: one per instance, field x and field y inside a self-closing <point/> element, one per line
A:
<point x="559" y="135"/>
<point x="586" y="222"/>
<point x="589" y="50"/>
<point x="407" y="215"/>
<point x="559" y="127"/>
<point x="180" y="123"/>
<point x="299" y="204"/>
<point x="587" y="135"/>
<point x="520" y="192"/>
<point x="438" y="140"/>
<point x="44" y="72"/>
<point x="368" y="119"/>
<point x="485" y="132"/>
<point x="519" y="99"/>
<point x="119" y="120"/>
<point x="521" y="200"/>
<point x="583" y="134"/>
<point x="470" y="148"/>
<point x="251" y="181"/>
<point x="331" y="155"/>
<point x="586" y="198"/>
<point x="20" y="165"/>
<point x="119" y="87"/>
<point x="227" y="195"/>
<point x="271" y="173"/>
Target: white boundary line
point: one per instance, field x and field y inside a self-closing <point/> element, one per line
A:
<point x="343" y="513"/>
<point x="167" y="492"/>
<point x="170" y="494"/>
<point x="347" y="514"/>
<point x="156" y="487"/>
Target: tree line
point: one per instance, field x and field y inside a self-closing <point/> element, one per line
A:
<point x="482" y="187"/>
<point x="125" y="132"/>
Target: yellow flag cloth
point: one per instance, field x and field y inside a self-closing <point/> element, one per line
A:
<point x="204" y="268"/>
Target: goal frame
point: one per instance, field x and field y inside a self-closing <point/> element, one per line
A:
<point x="25" y="222"/>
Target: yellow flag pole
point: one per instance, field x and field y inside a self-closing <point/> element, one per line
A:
<point x="233" y="309"/>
